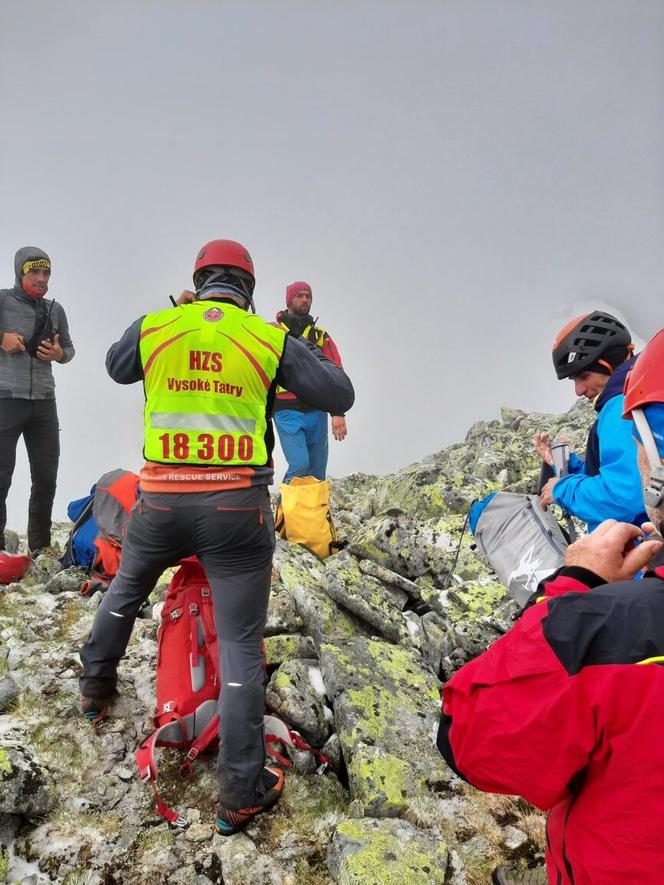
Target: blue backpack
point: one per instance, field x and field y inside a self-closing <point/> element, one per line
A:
<point x="80" y="549"/>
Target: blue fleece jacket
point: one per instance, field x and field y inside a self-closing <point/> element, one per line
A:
<point x="607" y="485"/>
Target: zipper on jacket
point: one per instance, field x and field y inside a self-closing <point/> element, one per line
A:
<point x="566" y="860"/>
<point x="559" y="875"/>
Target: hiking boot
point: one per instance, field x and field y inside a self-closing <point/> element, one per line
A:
<point x="231" y="821"/>
<point x="520" y="876"/>
<point x="95" y="710"/>
<point x="46" y="551"/>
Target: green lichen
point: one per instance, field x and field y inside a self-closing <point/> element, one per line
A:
<point x="155" y="839"/>
<point x="380" y="781"/>
<point x="397" y="664"/>
<point x="309" y="808"/>
<point x="4" y="864"/>
<point x="281" y="681"/>
<point x="281" y="648"/>
<point x="380" y="861"/>
<point x="480" y="600"/>
<point x="5" y="764"/>
<point x="377" y="709"/>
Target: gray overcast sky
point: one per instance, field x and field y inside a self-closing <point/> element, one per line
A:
<point x="455" y="180"/>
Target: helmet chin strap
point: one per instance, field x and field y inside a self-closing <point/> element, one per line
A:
<point x="653" y="494"/>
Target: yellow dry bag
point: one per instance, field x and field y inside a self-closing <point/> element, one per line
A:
<point x="303" y="515"/>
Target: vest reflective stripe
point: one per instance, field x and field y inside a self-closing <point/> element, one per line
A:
<point x="164" y="420"/>
<point x="318" y="340"/>
<point x="208" y="368"/>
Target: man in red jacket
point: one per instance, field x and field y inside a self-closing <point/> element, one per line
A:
<point x="302" y="429"/>
<point x="566" y="709"/>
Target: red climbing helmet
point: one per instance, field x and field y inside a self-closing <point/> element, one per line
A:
<point x="645" y="380"/>
<point x="224" y="253"/>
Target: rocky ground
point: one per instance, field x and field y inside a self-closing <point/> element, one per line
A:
<point x="358" y="647"/>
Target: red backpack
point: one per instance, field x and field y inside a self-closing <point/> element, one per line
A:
<point x="188" y="685"/>
<point x="13" y="567"/>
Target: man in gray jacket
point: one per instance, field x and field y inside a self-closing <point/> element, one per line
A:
<point x="33" y="334"/>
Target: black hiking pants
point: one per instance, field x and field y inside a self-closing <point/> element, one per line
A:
<point x="37" y="421"/>
<point x="232" y="533"/>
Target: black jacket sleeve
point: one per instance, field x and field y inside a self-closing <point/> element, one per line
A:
<point x="123" y="360"/>
<point x="313" y="378"/>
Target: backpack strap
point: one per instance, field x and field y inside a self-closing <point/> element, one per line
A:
<point x="147" y="768"/>
<point x="200" y="744"/>
<point x="277" y="732"/>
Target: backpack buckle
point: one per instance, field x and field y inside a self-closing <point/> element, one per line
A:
<point x="193" y="608"/>
<point x="187" y="770"/>
<point x="168" y="707"/>
<point x="206" y="592"/>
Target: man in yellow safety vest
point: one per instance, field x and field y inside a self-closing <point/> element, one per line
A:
<point x="210" y="370"/>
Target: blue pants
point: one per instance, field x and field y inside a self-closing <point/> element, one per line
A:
<point x="303" y="438"/>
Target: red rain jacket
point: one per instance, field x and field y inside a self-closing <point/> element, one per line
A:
<point x="567" y="710"/>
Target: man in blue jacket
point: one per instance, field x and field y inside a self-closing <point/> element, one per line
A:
<point x="595" y="352"/>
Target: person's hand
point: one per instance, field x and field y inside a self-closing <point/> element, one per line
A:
<point x="185" y="297"/>
<point x="610" y="551"/>
<point x="542" y="445"/>
<point x="50" y="352"/>
<point x="649" y="528"/>
<point x="12" y="342"/>
<point x="339" y="429"/>
<point x="546" y="495"/>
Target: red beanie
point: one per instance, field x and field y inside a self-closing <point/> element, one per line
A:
<point x="293" y="288"/>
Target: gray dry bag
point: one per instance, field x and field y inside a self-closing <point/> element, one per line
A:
<point x="522" y="543"/>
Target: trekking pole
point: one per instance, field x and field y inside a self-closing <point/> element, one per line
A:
<point x="458" y="550"/>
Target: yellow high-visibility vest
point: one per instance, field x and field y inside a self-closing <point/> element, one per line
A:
<point x="208" y="367"/>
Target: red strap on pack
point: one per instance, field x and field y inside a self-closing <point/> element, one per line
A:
<point x="301" y="744"/>
<point x="174" y="818"/>
<point x="278" y="757"/>
<point x="200" y="744"/>
<point x="193" y="634"/>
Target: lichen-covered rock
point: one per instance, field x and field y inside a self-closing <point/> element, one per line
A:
<point x="9" y="692"/>
<point x="385" y="699"/>
<point x="375" y="603"/>
<point x="388" y="540"/>
<point x="25" y="788"/>
<point x="386" y="852"/>
<point x="412" y="565"/>
<point x="11" y="541"/>
<point x="282" y="615"/>
<point x="390" y="578"/>
<point x="279" y="649"/>
<point x="69" y="580"/>
<point x="243" y="863"/>
<point x="292" y="695"/>
<point x="324" y="620"/>
<point x="45" y="567"/>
